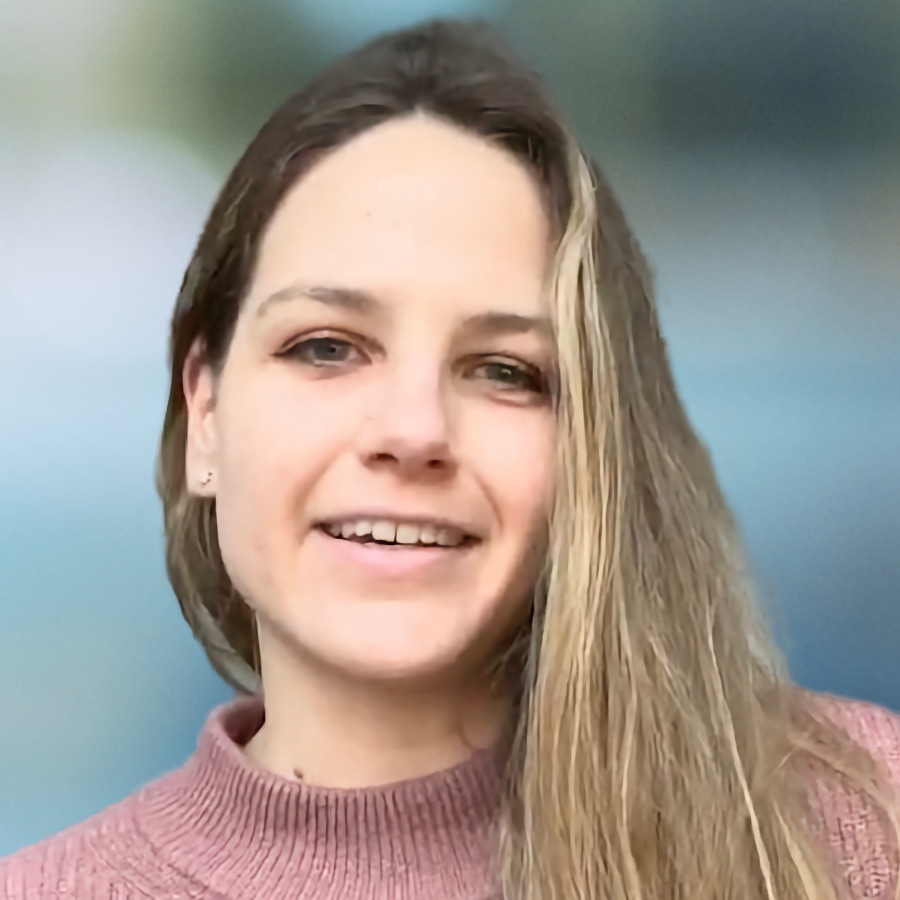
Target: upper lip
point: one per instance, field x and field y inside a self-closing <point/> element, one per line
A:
<point x="402" y="519"/>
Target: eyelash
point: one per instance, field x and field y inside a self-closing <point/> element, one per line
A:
<point x="528" y="378"/>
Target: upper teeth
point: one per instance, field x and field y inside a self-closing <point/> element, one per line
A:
<point x="397" y="532"/>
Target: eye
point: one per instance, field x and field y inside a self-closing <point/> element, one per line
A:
<point x="323" y="352"/>
<point x="507" y="375"/>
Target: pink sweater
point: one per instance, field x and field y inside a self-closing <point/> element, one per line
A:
<point x="219" y="827"/>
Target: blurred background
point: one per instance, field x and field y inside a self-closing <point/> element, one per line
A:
<point x="756" y="149"/>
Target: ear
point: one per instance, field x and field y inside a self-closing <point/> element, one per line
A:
<point x="201" y="447"/>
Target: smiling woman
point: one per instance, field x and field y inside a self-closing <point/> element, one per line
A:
<point x="433" y="504"/>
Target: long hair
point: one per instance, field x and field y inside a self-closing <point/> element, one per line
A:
<point x="659" y="751"/>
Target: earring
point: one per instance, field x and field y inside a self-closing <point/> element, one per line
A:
<point x="207" y="478"/>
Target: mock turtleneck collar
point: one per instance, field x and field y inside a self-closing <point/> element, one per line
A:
<point x="226" y="822"/>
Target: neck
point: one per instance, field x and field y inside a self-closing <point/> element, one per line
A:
<point x="335" y="731"/>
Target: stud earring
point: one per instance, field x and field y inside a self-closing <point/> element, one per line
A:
<point x="207" y="478"/>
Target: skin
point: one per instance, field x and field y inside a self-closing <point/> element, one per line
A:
<point x="391" y="355"/>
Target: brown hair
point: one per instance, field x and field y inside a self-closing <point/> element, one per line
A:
<point x="655" y="724"/>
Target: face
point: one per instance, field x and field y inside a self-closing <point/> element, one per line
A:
<point x="380" y="437"/>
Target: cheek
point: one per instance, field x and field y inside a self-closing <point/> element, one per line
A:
<point x="275" y="434"/>
<point x="269" y="459"/>
<point x="516" y="452"/>
<point x="516" y="455"/>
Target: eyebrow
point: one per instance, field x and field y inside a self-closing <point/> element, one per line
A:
<point x="351" y="299"/>
<point x="485" y="324"/>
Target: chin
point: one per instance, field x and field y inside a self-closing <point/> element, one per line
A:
<point x="392" y="661"/>
<point x="401" y="665"/>
<point x="397" y="641"/>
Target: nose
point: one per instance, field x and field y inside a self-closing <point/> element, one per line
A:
<point x="408" y="428"/>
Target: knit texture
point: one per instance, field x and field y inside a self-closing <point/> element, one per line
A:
<point x="219" y="827"/>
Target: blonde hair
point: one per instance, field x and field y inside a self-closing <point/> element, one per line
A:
<point x="659" y="749"/>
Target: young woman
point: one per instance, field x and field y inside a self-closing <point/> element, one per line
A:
<point x="433" y="504"/>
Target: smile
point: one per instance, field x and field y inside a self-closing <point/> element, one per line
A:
<point x="388" y="532"/>
<point x="396" y="549"/>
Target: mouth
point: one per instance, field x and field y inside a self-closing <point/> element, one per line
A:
<point x="404" y="533"/>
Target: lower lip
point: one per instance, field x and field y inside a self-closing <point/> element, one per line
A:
<point x="392" y="561"/>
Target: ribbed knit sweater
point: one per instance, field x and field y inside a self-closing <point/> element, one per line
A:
<point x="220" y="827"/>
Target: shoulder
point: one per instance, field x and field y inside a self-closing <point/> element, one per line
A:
<point x="856" y="824"/>
<point x="875" y="729"/>
<point x="71" y="862"/>
<point x="104" y="856"/>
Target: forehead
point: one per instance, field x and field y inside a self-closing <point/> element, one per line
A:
<point x="411" y="206"/>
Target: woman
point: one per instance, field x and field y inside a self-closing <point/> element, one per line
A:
<point x="432" y="502"/>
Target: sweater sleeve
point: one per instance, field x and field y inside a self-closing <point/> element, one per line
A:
<point x="106" y="856"/>
<point x="60" y="866"/>
<point x="858" y="834"/>
<point x="79" y="863"/>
